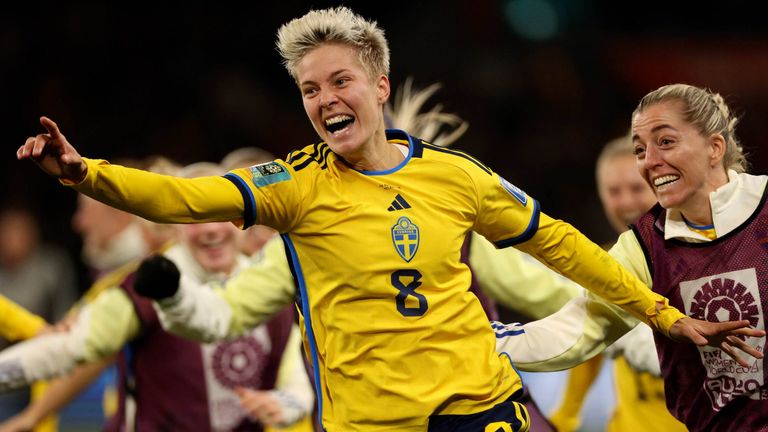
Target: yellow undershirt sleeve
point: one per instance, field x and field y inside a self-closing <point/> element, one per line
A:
<point x="260" y="290"/>
<point x="113" y="323"/>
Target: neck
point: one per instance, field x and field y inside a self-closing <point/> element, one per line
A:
<point x="378" y="155"/>
<point x="699" y="212"/>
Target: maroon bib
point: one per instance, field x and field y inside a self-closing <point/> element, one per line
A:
<point x="722" y="280"/>
<point x="165" y="374"/>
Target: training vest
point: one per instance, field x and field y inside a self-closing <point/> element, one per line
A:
<point x="721" y="280"/>
<point x="181" y="385"/>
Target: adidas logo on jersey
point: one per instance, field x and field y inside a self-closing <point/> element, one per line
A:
<point x="399" y="203"/>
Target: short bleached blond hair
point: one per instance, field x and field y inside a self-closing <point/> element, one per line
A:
<point x="338" y="25"/>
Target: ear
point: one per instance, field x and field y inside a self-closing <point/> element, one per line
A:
<point x="717" y="147"/>
<point x="382" y="89"/>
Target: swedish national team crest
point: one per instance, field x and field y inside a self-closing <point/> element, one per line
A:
<point x="405" y="236"/>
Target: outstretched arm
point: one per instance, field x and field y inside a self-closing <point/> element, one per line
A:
<point x="204" y="314"/>
<point x="156" y="197"/>
<point x="518" y="281"/>
<point x="100" y="330"/>
<point x="58" y="394"/>
<point x="53" y="153"/>
<point x="562" y="247"/>
<point x="583" y="328"/>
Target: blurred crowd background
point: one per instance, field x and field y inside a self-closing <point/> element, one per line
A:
<point x="544" y="84"/>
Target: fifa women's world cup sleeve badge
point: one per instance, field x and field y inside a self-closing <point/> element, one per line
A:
<point x="269" y="173"/>
<point x="514" y="191"/>
<point x="405" y="236"/>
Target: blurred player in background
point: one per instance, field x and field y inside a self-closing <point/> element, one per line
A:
<point x="168" y="382"/>
<point x="38" y="277"/>
<point x="639" y="395"/>
<point x="703" y="245"/>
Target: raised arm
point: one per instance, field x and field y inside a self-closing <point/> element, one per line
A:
<point x="53" y="153"/>
<point x="206" y="314"/>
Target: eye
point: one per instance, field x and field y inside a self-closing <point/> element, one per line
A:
<point x="665" y="141"/>
<point x="639" y="151"/>
<point x="308" y="91"/>
<point x="342" y="81"/>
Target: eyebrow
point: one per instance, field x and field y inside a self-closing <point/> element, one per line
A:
<point x="333" y="75"/>
<point x="636" y="137"/>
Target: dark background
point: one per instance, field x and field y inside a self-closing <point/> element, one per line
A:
<point x="543" y="83"/>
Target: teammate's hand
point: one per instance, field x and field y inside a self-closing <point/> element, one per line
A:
<point x="53" y="153"/>
<point x="724" y="335"/>
<point x="260" y="406"/>
<point x="157" y="278"/>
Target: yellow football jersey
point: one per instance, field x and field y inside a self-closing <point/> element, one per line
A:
<point x="391" y="329"/>
<point x="389" y="320"/>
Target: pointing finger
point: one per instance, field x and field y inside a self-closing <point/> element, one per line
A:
<point x="51" y="127"/>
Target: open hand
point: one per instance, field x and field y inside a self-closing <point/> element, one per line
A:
<point x="723" y="335"/>
<point x="53" y="153"/>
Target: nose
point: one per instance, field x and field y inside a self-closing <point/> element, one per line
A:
<point x="328" y="98"/>
<point x="652" y="158"/>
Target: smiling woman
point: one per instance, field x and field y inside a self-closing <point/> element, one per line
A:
<point x="684" y="141"/>
<point x="344" y="104"/>
<point x="702" y="246"/>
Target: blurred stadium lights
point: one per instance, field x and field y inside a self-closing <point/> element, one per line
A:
<point x="533" y="19"/>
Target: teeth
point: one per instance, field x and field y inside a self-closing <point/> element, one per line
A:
<point x="337" y="119"/>
<point x="665" y="179"/>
